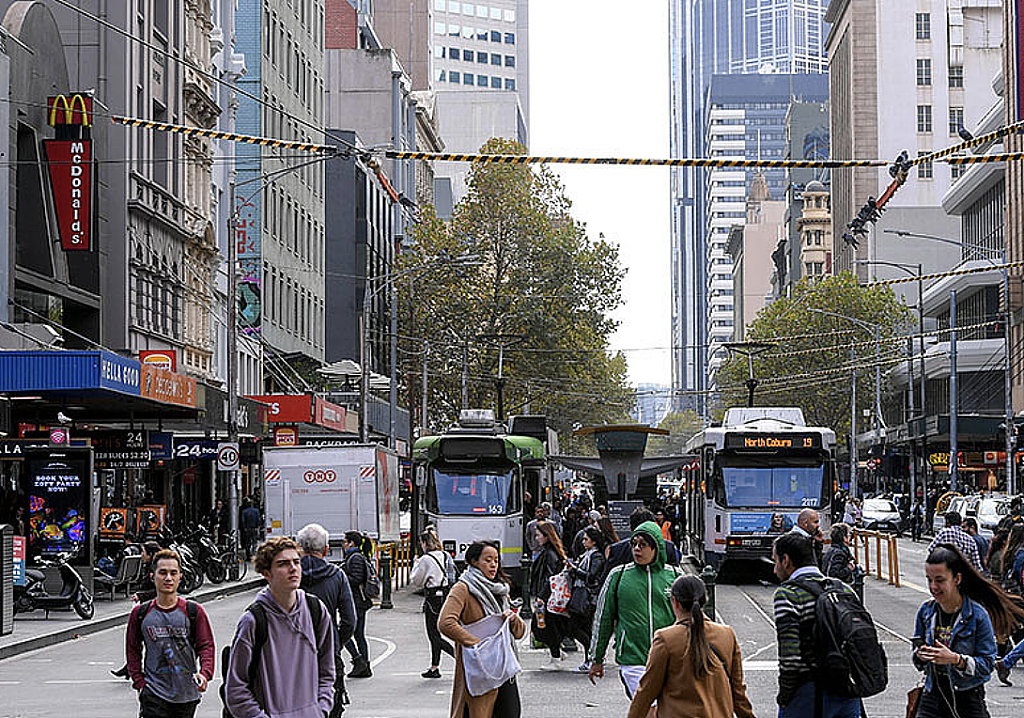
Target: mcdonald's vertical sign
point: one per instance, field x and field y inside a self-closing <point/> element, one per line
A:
<point x="70" y="163"/>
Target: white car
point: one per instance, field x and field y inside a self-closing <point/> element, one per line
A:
<point x="991" y="511"/>
<point x="881" y="515"/>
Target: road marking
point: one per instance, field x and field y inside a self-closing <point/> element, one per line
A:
<point x="760" y="666"/>
<point x="757" y="607"/>
<point x="83" y="681"/>
<point x="892" y="632"/>
<point x="391" y="648"/>
<point x="10" y="683"/>
<point x="761" y="650"/>
<point x="100" y="663"/>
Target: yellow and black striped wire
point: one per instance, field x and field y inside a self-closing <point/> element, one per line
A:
<point x="219" y="135"/>
<point x="940" y="275"/>
<point x="626" y="161"/>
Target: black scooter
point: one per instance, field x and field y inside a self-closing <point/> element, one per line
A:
<point x="73" y="594"/>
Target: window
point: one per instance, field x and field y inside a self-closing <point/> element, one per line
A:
<point x="756" y="482"/>
<point x="923" y="26"/>
<point x="467" y="79"/>
<point x="956" y="120"/>
<point x="957" y="171"/>
<point x="440" y="28"/>
<point x="496" y="83"/>
<point x="468" y="9"/>
<point x="924" y="118"/>
<point x="956" y="75"/>
<point x="481" y="80"/>
<point x="510" y="84"/>
<point x="481" y="34"/>
<point x="439" y="5"/>
<point x="438" y="52"/>
<point x="924" y="72"/>
<point x="481" y="11"/>
<point x="510" y="60"/>
<point x="454" y="76"/>
<point x="455" y="53"/>
<point x="495" y="36"/>
<point x="453" y="30"/>
<point x="510" y="39"/>
<point x="510" y="16"/>
<point x="439" y="75"/>
<point x="496" y="59"/>
<point x="454" y="6"/>
<point x="481" y="57"/>
<point x="924" y="170"/>
<point x="467" y="32"/>
<point x="495" y="13"/>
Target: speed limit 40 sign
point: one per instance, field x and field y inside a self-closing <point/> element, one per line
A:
<point x="227" y="456"/>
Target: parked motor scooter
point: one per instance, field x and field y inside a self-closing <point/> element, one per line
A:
<point x="207" y="553"/>
<point x="73" y="594"/>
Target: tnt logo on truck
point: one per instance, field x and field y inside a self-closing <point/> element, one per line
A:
<point x="319" y="477"/>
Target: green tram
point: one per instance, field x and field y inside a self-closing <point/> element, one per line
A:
<point x="478" y="480"/>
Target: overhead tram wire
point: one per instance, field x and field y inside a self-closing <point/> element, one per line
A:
<point x="509" y="159"/>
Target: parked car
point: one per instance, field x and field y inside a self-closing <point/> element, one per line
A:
<point x="882" y="515"/>
<point x="991" y="511"/>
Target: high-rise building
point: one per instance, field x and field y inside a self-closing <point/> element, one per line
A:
<point x="745" y="118"/>
<point x="709" y="37"/>
<point x="281" y="220"/>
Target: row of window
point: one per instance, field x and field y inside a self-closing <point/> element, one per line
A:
<point x="293" y="65"/>
<point x="470" y="33"/>
<point x="924" y="74"/>
<point x="292" y="307"/>
<point x="454" y="53"/>
<point x="469" y="9"/>
<point x="468" y="78"/>
<point x="924" y="119"/>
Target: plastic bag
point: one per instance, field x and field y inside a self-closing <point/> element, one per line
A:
<point x="561" y="592"/>
<point x="490" y="663"/>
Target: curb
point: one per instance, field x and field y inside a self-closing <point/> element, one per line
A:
<point x="85" y="629"/>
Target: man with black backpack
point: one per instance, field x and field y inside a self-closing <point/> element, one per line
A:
<point x="165" y="638"/>
<point x="829" y="654"/>
<point x="281" y="662"/>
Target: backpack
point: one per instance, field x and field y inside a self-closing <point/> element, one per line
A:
<point x="259" y="613"/>
<point x="191" y="611"/>
<point x="849" y="656"/>
<point x="371" y="586"/>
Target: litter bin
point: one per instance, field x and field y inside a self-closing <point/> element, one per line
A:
<point x="7" y="579"/>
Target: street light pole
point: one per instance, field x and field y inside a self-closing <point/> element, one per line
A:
<point x="953" y="444"/>
<point x="853" y="423"/>
<point x="232" y="377"/>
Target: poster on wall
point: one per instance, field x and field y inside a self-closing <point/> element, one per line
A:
<point x="58" y="490"/>
<point x="150" y="519"/>
<point x="248" y="245"/>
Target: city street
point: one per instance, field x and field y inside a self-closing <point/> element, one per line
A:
<point x="77" y="671"/>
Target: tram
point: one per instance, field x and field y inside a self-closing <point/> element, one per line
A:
<point x="478" y="480"/>
<point x="758" y="463"/>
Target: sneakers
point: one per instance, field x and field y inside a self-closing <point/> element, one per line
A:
<point x="431" y="673"/>
<point x="361" y="669"/>
<point x="554" y="664"/>
<point x="1004" y="673"/>
<point x="583" y="667"/>
<point x="121" y="672"/>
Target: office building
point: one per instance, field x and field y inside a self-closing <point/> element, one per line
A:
<point x="709" y="37"/>
<point x="749" y="247"/>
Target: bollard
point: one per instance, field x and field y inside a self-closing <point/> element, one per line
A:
<point x="526" y="566"/>
<point x="867" y="554"/>
<point x="385" y="580"/>
<point x="858" y="583"/>
<point x="708" y="576"/>
<point x="894" y="546"/>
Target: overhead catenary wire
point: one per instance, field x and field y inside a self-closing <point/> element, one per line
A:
<point x="512" y="159"/>
<point x="941" y="275"/>
<point x="222" y="135"/>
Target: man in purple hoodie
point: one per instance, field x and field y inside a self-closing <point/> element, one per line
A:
<point x="295" y="668"/>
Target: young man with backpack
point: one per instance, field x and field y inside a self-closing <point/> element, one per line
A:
<point x="829" y="654"/>
<point x="281" y="662"/>
<point x="365" y="587"/>
<point x="165" y="638"/>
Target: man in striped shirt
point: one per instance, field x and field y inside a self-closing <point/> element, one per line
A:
<point x="955" y="535"/>
<point x="799" y="695"/>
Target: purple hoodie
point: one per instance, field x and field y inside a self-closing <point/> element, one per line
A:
<point x="300" y="678"/>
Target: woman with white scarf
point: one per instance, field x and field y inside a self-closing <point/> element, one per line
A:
<point x="481" y="591"/>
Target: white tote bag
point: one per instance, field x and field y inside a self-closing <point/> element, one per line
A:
<point x="492" y="662"/>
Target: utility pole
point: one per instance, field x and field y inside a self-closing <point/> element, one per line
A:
<point x="853" y="423"/>
<point x="232" y="377"/>
<point x="465" y="375"/>
<point x="953" y="450"/>
<point x="423" y="406"/>
<point x="1011" y="468"/>
<point x="912" y="412"/>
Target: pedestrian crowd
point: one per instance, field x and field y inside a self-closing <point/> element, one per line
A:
<point x="588" y="586"/>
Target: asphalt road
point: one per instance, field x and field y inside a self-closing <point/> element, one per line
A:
<point x="73" y="679"/>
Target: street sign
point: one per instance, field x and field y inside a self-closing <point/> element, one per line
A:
<point x="227" y="456"/>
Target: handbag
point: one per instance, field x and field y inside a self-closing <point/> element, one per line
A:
<point x="914" y="698"/>
<point x="490" y="663"/>
<point x="435" y="596"/>
<point x="579" y="604"/>
<point x="561" y="593"/>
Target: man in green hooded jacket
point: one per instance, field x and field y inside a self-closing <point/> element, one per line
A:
<point x="633" y="604"/>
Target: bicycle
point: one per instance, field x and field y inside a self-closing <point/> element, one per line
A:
<point x="234" y="560"/>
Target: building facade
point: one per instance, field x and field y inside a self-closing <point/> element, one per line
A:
<point x="814" y="231"/>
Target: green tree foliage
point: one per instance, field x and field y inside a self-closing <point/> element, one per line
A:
<point x="540" y="287"/>
<point x="791" y="375"/>
<point x="681" y="425"/>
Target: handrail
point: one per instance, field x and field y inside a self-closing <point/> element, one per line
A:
<point x="892" y="554"/>
<point x="400" y="561"/>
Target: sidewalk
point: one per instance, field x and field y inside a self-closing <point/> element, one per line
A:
<point x="32" y="630"/>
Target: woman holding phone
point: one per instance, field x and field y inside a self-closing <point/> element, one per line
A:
<point x="954" y="636"/>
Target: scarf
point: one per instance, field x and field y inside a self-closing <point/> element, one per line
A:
<point x="492" y="595"/>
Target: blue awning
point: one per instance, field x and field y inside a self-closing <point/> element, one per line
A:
<point x="41" y="371"/>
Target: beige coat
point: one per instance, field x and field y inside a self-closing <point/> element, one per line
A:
<point x="670" y="679"/>
<point x="461" y="609"/>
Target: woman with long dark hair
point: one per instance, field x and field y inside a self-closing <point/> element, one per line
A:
<point x="695" y="667"/>
<point x="955" y="635"/>
<point x="587" y="575"/>
<point x="482" y="590"/>
<point x="608" y="531"/>
<point x="549" y="562"/>
<point x="356" y="567"/>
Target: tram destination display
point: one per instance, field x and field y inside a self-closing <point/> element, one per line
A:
<point x="773" y="442"/>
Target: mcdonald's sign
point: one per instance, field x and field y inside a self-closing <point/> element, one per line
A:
<point x="74" y="111"/>
<point x="70" y="164"/>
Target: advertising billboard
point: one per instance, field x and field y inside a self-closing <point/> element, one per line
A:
<point x="58" y="489"/>
<point x="70" y="165"/>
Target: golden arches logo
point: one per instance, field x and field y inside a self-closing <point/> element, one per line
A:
<point x="81" y="116"/>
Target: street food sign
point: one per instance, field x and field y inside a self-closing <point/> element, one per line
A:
<point x="127" y="449"/>
<point x="166" y="359"/>
<point x="70" y="165"/>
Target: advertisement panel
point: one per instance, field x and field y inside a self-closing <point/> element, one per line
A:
<point x="250" y="260"/>
<point x="74" y="108"/>
<point x="121" y="449"/>
<point x="150" y="519"/>
<point x="329" y="415"/>
<point x="58" y="490"/>
<point x="114" y="522"/>
<point x="19" y="560"/>
<point x="166" y="359"/>
<point x="161" y="445"/>
<point x="286" y="436"/>
<point x="195" y="448"/>
<point x="168" y="386"/>
<point x="287" y="408"/>
<point x="70" y="165"/>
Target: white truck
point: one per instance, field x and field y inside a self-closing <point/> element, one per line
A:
<point x="342" y="488"/>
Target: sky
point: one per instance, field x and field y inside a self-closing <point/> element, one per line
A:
<point x="599" y="86"/>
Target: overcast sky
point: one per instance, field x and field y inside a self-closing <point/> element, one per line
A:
<point x="599" y="87"/>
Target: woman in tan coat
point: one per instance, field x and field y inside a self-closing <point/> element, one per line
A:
<point x="481" y="591"/>
<point x="694" y="668"/>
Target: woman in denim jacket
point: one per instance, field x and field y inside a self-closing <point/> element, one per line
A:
<point x="954" y="641"/>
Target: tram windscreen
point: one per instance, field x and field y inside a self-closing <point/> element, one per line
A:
<point x="763" y="484"/>
<point x="472" y="493"/>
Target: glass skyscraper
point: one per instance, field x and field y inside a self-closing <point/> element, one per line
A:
<point x="707" y="38"/>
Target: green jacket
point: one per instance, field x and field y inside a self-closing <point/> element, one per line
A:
<point x="633" y="604"/>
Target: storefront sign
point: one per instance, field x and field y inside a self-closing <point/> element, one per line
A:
<point x="114" y="522"/>
<point x="166" y="359"/>
<point x="150" y="519"/>
<point x="60" y="436"/>
<point x="70" y="109"/>
<point x="168" y="386"/>
<point x="195" y="448"/>
<point x="127" y="449"/>
<point x="161" y="445"/>
<point x="70" y="164"/>
<point x="19" y="560"/>
<point x="773" y="442"/>
<point x="288" y="408"/>
<point x="329" y="415"/>
<point x="286" y="436"/>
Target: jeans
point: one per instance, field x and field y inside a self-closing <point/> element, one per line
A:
<point x="1011" y="658"/>
<point x="965" y="704"/>
<point x="151" y="706"/>
<point x="507" y="704"/>
<point x="357" y="644"/>
<point x="803" y="704"/>
<point x="437" y="643"/>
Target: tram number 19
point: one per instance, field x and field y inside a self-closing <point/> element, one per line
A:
<point x="808" y="442"/>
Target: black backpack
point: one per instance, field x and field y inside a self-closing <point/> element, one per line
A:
<point x="316" y="612"/>
<point x="850" y="658"/>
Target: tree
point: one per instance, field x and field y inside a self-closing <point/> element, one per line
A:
<point x="538" y="296"/>
<point x="681" y="425"/>
<point x="809" y="367"/>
